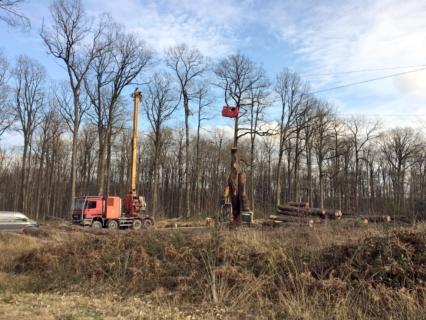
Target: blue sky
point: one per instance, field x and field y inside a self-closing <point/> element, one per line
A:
<point x="315" y="38"/>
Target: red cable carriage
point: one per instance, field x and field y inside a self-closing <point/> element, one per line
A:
<point x="230" y="112"/>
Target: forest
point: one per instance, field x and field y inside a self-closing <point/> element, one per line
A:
<point x="294" y="145"/>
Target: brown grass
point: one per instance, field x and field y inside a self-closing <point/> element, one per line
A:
<point x="332" y="271"/>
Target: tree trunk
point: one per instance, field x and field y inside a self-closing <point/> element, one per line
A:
<point x="154" y="190"/>
<point x="321" y="185"/>
<point x="23" y="175"/>
<point x="296" y="168"/>
<point x="154" y="185"/>
<point x="356" y="179"/>
<point x="236" y="131"/>
<point x="187" y="175"/>
<point x="309" y="173"/>
<point x="289" y="193"/>
<point x="197" y="167"/>
<point x="278" y="190"/>
<point x="108" y="162"/>
<point x="101" y="162"/>
<point x="252" y="172"/>
<point x="74" y="153"/>
<point x="40" y="179"/>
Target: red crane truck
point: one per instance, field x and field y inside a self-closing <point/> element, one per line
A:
<point x="111" y="211"/>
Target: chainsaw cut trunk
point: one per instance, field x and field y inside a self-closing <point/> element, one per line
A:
<point x="235" y="190"/>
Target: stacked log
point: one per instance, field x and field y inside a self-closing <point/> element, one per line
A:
<point x="299" y="204"/>
<point x="300" y="212"/>
<point x="314" y="212"/>
<point x="295" y="219"/>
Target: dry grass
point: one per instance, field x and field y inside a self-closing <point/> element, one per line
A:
<point x="332" y="271"/>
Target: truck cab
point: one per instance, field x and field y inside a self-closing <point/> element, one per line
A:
<point x="88" y="209"/>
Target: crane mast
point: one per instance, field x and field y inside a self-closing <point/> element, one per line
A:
<point x="137" y="97"/>
<point x="134" y="204"/>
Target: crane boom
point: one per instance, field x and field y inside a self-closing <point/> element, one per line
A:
<point x="137" y="97"/>
<point x="134" y="204"/>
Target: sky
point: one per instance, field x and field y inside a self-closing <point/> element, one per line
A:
<point x="329" y="43"/>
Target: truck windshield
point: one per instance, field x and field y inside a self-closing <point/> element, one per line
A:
<point x="79" y="204"/>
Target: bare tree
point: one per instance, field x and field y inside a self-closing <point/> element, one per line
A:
<point x="238" y="75"/>
<point x="72" y="39"/>
<point x="399" y="146"/>
<point x="29" y="78"/>
<point x="203" y="101"/>
<point x="63" y="100"/>
<point x="308" y="136"/>
<point x="267" y="151"/>
<point x="323" y="145"/>
<point x="188" y="64"/>
<point x="258" y="102"/>
<point x="361" y="132"/>
<point x="291" y="93"/>
<point x="341" y="149"/>
<point x="159" y="104"/>
<point x="11" y="15"/>
<point x="51" y="127"/>
<point x="6" y="110"/>
<point x="369" y="155"/>
<point x="111" y="72"/>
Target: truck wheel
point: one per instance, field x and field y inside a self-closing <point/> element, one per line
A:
<point x="112" y="224"/>
<point x="97" y="225"/>
<point x="137" y="224"/>
<point x="147" y="223"/>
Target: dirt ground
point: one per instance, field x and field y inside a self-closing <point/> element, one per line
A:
<point x="182" y="270"/>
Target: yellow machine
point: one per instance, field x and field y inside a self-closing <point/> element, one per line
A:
<point x="134" y="204"/>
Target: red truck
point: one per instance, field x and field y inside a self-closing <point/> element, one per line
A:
<point x="111" y="211"/>
<point x="99" y="212"/>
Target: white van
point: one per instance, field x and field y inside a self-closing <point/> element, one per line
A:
<point x="15" y="221"/>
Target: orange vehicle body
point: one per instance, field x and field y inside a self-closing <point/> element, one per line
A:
<point x="108" y="212"/>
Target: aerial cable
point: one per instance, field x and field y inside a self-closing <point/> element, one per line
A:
<point x="360" y="71"/>
<point x="368" y="80"/>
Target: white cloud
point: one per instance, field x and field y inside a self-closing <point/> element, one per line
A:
<point x="412" y="84"/>
<point x="330" y="36"/>
<point x="363" y="34"/>
<point x="211" y="26"/>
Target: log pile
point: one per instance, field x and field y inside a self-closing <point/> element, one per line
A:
<point x="289" y="210"/>
<point x="300" y="212"/>
<point x="299" y="204"/>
